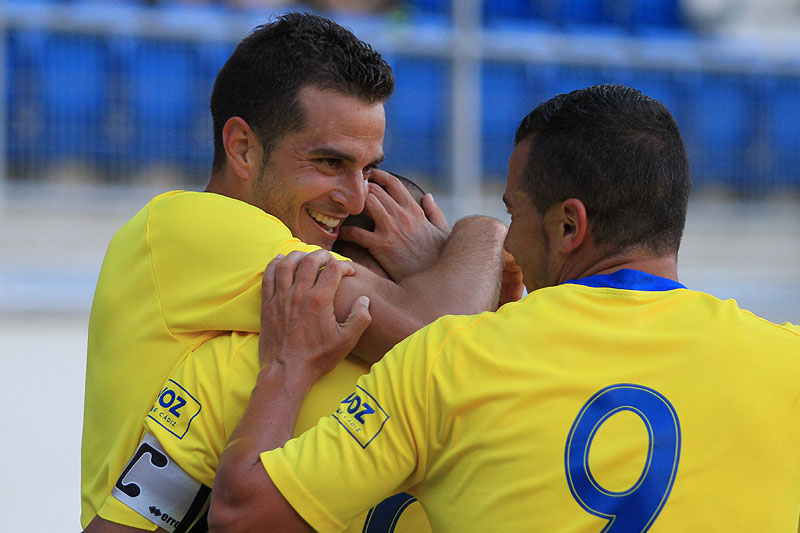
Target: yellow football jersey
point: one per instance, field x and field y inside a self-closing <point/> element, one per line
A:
<point x="185" y="268"/>
<point x="203" y="400"/>
<point x="621" y="402"/>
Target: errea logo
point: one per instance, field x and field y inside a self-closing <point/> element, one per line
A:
<point x="167" y="519"/>
<point x="362" y="416"/>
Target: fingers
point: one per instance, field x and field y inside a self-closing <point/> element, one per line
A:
<point x="434" y="214"/>
<point x="329" y="278"/>
<point x="378" y="205"/>
<point x="268" y="279"/>
<point x="357" y="235"/>
<point x="357" y="321"/>
<point x="393" y="186"/>
<point x="309" y="267"/>
<point x="299" y="269"/>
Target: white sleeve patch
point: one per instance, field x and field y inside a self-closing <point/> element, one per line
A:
<point x="154" y="486"/>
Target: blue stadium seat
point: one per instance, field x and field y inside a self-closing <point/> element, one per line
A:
<point x="161" y="85"/>
<point x="558" y="79"/>
<point x="719" y="130"/>
<point x="211" y="57"/>
<point x="665" y="14"/>
<point x="416" y="132"/>
<point x="506" y="99"/>
<point x="74" y="85"/>
<point x="503" y="10"/>
<point x="25" y="124"/>
<point x="782" y="134"/>
<point x="580" y="13"/>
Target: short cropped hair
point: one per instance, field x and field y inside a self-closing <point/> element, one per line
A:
<point x="619" y="152"/>
<point x="261" y="80"/>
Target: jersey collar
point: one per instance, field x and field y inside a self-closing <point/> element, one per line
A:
<point x="634" y="280"/>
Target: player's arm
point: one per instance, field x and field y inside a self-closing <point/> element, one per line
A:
<point x="308" y="341"/>
<point x="464" y="280"/>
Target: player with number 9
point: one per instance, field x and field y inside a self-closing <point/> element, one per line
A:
<point x="610" y="398"/>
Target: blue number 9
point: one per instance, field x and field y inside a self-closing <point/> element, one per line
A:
<point x="636" y="508"/>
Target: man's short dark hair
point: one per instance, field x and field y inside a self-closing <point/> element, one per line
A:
<point x="261" y="80"/>
<point x="619" y="152"/>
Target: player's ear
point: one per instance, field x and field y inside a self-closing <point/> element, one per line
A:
<point x="572" y="224"/>
<point x="241" y="147"/>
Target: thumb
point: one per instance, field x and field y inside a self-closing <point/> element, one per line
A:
<point x="357" y="321"/>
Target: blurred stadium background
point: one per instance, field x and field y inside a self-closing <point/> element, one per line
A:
<point x="105" y="103"/>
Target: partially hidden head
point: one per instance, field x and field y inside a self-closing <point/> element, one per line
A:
<point x="617" y="151"/>
<point x="310" y="94"/>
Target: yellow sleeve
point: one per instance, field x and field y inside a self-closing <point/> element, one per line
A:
<point x="208" y="254"/>
<point x="374" y="445"/>
<point x="115" y="511"/>
<point x="190" y="417"/>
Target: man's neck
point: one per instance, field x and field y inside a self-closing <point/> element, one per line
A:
<point x="221" y="183"/>
<point x="665" y="267"/>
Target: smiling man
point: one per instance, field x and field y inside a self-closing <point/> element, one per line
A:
<point x="298" y="130"/>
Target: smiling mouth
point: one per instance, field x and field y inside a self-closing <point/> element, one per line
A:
<point x="329" y="224"/>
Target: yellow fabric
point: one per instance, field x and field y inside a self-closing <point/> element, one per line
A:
<point x="475" y="415"/>
<point x="185" y="268"/>
<point x="217" y="377"/>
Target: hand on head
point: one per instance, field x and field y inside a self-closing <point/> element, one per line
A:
<point x="408" y="235"/>
<point x="297" y="312"/>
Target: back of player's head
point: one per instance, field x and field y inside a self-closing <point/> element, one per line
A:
<point x="261" y="80"/>
<point x="618" y="151"/>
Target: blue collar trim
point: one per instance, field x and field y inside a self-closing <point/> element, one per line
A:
<point x="634" y="280"/>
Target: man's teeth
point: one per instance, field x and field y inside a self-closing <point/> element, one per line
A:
<point x="325" y="220"/>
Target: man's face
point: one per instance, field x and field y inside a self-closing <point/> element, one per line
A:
<point x="527" y="237"/>
<point x="317" y="176"/>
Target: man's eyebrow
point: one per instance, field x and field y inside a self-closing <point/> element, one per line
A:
<point x="505" y="201"/>
<point x="336" y="154"/>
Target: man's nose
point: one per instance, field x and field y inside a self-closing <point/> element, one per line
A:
<point x="354" y="193"/>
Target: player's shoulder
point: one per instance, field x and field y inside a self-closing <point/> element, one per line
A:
<point x="452" y="330"/>
<point x="214" y="207"/>
<point x="205" y="220"/>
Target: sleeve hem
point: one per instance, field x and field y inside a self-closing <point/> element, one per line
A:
<point x="115" y="511"/>
<point x="303" y="501"/>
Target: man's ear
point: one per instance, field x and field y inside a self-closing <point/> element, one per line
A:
<point x="241" y="146"/>
<point x="573" y="224"/>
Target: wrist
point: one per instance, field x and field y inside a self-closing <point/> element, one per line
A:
<point x="290" y="375"/>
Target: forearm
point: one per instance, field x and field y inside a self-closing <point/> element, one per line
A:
<point x="465" y="280"/>
<point x="267" y="423"/>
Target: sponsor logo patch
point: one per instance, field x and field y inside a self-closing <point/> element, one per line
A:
<point x="362" y="416"/>
<point x="175" y="409"/>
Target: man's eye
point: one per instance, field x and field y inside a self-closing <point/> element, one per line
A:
<point x="330" y="162"/>
<point x="368" y="170"/>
